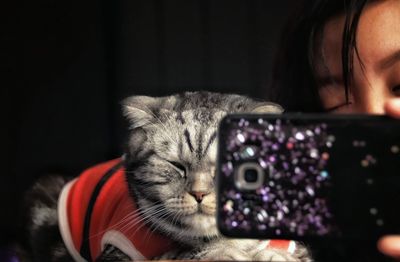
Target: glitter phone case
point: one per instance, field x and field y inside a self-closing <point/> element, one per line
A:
<point x="334" y="176"/>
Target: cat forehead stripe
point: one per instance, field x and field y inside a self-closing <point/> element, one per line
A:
<point x="199" y="150"/>
<point x="210" y="141"/>
<point x="187" y="137"/>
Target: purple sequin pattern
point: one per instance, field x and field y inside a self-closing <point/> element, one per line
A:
<point x="293" y="198"/>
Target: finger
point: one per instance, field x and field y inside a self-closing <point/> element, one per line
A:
<point x="392" y="107"/>
<point x="390" y="245"/>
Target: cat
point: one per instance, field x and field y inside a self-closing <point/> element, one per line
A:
<point x="169" y="166"/>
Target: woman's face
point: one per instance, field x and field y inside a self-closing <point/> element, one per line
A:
<point x="378" y="43"/>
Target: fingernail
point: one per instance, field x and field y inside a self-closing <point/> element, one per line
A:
<point x="390" y="245"/>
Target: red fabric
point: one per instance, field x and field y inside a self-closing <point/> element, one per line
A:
<point x="113" y="206"/>
<point x="115" y="210"/>
<point x="279" y="244"/>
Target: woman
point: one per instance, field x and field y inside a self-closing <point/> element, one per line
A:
<point x="342" y="56"/>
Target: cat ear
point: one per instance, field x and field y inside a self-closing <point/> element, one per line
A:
<point x="138" y="110"/>
<point x="142" y="110"/>
<point x="267" y="107"/>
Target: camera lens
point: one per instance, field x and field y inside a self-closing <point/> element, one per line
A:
<point x="251" y="175"/>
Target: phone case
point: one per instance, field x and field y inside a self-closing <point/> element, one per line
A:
<point x="323" y="176"/>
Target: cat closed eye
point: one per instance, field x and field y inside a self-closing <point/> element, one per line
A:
<point x="178" y="165"/>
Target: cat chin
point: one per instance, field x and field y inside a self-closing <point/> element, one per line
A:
<point x="201" y="225"/>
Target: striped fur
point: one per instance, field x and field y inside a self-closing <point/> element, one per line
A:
<point x="172" y="155"/>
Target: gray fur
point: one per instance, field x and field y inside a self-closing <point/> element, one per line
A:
<point x="42" y="240"/>
<point x="170" y="162"/>
<point x="179" y="129"/>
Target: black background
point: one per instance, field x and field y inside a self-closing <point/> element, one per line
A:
<point x="65" y="65"/>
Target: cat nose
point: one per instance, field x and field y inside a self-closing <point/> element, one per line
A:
<point x="198" y="195"/>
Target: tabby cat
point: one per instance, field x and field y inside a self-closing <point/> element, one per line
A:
<point x="170" y="167"/>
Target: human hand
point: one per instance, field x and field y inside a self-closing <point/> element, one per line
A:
<point x="390" y="245"/>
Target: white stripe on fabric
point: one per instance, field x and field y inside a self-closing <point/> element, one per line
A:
<point x="120" y="241"/>
<point x="292" y="247"/>
<point x="63" y="222"/>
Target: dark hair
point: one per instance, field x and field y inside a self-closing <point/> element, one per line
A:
<point x="293" y="80"/>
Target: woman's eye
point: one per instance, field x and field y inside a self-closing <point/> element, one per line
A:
<point x="396" y="90"/>
<point x="339" y="107"/>
<point x="178" y="165"/>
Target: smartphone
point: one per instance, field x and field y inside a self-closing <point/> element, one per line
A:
<point x="308" y="176"/>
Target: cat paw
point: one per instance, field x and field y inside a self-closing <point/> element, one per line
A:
<point x="272" y="255"/>
<point x="227" y="254"/>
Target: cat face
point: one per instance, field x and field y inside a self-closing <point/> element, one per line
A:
<point x="171" y="158"/>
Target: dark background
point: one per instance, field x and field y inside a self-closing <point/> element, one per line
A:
<point x="65" y="65"/>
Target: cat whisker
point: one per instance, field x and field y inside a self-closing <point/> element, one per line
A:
<point x="130" y="216"/>
<point x="154" y="227"/>
<point x="133" y="223"/>
<point x="146" y="215"/>
<point x="145" y="220"/>
<point x="140" y="221"/>
<point x="177" y="216"/>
